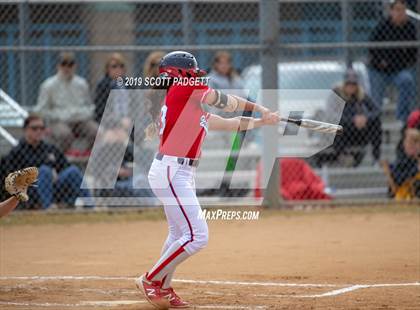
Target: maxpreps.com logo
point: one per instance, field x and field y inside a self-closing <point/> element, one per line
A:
<point x="228" y="215"/>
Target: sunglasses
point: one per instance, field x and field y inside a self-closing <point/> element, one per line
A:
<point x="35" y="128"/>
<point x="115" y="66"/>
<point x="154" y="64"/>
<point x="66" y="63"/>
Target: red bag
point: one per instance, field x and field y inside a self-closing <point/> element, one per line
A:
<point x="298" y="181"/>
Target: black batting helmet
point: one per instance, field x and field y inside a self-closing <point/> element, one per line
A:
<point x="180" y="64"/>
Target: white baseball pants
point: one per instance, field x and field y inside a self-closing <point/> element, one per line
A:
<point x="174" y="185"/>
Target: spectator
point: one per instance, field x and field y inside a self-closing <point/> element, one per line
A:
<point x="151" y="64"/>
<point x="65" y="104"/>
<point x="115" y="67"/>
<point x="223" y="76"/>
<point x="58" y="181"/>
<point x="114" y="140"/>
<point x="394" y="65"/>
<point x="413" y="120"/>
<point x="405" y="171"/>
<point x="360" y="120"/>
<point x="151" y="69"/>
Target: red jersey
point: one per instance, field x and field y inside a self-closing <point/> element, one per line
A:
<point x="183" y="122"/>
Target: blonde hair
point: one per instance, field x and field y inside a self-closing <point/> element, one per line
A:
<point x="151" y="132"/>
<point x="225" y="54"/>
<point x="117" y="57"/>
<point x="152" y="58"/>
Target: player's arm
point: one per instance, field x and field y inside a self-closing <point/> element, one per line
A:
<point x="240" y="123"/>
<point x="232" y="103"/>
<point x="8" y="205"/>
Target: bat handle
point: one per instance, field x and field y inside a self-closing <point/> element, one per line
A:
<point x="291" y="120"/>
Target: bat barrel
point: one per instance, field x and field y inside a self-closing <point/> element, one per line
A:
<point x="321" y="126"/>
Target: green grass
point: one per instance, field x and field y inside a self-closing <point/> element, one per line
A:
<point x="156" y="214"/>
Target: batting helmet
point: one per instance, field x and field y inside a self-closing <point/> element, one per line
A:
<point x="180" y="64"/>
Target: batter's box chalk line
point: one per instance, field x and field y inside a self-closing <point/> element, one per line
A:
<point x="339" y="290"/>
<point x="106" y="303"/>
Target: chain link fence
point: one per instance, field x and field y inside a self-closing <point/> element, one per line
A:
<point x="62" y="60"/>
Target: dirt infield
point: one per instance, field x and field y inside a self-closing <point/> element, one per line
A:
<point x="343" y="259"/>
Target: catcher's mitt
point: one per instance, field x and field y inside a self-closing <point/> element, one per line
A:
<point x="16" y="183"/>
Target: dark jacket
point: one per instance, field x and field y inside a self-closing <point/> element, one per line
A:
<point x="101" y="96"/>
<point x="404" y="168"/>
<point x="25" y="155"/>
<point x="391" y="60"/>
<point x="102" y="92"/>
<point x="356" y="105"/>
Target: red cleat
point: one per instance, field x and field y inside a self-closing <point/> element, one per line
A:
<point x="174" y="300"/>
<point x="153" y="292"/>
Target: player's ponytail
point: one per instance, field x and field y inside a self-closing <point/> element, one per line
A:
<point x="156" y="97"/>
<point x="151" y="131"/>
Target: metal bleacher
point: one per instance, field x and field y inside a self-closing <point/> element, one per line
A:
<point x="11" y="121"/>
<point x="364" y="181"/>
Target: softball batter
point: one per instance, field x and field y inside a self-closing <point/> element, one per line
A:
<point x="182" y="126"/>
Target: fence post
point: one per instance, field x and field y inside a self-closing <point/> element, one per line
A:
<point x="186" y="22"/>
<point x="269" y="35"/>
<point x="346" y="28"/>
<point x="23" y="14"/>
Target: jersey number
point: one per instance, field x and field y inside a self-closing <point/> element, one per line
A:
<point x="162" y="119"/>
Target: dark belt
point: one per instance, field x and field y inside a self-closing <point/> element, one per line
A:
<point x="181" y="160"/>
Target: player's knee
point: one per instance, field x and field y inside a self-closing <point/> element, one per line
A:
<point x="405" y="78"/>
<point x="173" y="236"/>
<point x="197" y="242"/>
<point x="74" y="171"/>
<point x="201" y="239"/>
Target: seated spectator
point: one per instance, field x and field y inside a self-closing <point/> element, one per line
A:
<point x="223" y="76"/>
<point x="150" y="70"/>
<point x="156" y="97"/>
<point x="151" y="64"/>
<point x="114" y="140"/>
<point x="115" y="67"/>
<point x="65" y="104"/>
<point x="360" y="120"/>
<point x="394" y="65"/>
<point x="413" y="120"/>
<point x="405" y="171"/>
<point x="58" y="181"/>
